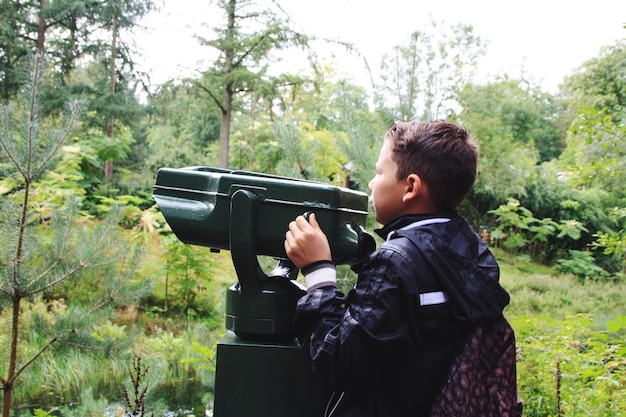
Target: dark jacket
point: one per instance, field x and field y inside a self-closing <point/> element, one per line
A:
<point x="385" y="349"/>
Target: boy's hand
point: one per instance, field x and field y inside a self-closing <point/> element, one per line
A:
<point x="305" y="242"/>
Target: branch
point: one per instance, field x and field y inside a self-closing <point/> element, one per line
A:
<point x="249" y="51"/>
<point x="10" y="155"/>
<point x="7" y="292"/>
<point x="63" y="135"/>
<point x="31" y="360"/>
<point x="52" y="283"/>
<point x="200" y="86"/>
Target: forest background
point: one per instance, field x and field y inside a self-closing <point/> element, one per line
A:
<point x="104" y="311"/>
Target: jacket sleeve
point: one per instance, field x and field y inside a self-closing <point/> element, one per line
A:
<point x="345" y="336"/>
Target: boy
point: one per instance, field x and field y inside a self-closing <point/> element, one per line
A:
<point x="386" y="349"/>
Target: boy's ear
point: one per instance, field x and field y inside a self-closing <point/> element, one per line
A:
<point x="413" y="185"/>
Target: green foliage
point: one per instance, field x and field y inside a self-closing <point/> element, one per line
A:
<point x="189" y="273"/>
<point x="42" y="413"/>
<point x="566" y="367"/>
<point x="516" y="126"/>
<point x="129" y="206"/>
<point x="308" y="153"/>
<point x="182" y="127"/>
<point x="70" y="32"/>
<point x="247" y="41"/>
<point x="205" y="356"/>
<point x="172" y="376"/>
<point x="570" y="340"/>
<point x="88" y="406"/>
<point x="597" y="133"/>
<point x="36" y="259"/>
<point x="583" y="265"/>
<point x="614" y="242"/>
<point x="597" y="143"/>
<point x="106" y="148"/>
<point x="169" y="148"/>
<point x="363" y="131"/>
<point x="518" y="231"/>
<point x="600" y="81"/>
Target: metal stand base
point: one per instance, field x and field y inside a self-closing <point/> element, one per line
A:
<point x="255" y="379"/>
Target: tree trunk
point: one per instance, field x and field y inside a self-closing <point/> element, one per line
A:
<point x="41" y="26"/>
<point x="108" y="165"/>
<point x="225" y="137"/>
<point x="227" y="98"/>
<point x="7" y="385"/>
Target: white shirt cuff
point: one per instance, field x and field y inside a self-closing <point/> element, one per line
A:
<point x="324" y="276"/>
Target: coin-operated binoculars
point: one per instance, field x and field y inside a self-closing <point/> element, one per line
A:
<point x="261" y="369"/>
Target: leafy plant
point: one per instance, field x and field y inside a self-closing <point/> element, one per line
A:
<point x="187" y="276"/>
<point x="614" y="242"/>
<point x="518" y="231"/>
<point x="583" y="265"/>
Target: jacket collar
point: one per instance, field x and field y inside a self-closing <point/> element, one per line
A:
<point x="409" y="219"/>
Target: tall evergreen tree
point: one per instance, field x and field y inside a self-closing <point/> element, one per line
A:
<point x="251" y="33"/>
<point x="60" y="28"/>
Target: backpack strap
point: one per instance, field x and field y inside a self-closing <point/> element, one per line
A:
<point x="428" y="298"/>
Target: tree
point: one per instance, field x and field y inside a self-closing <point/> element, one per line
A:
<point x="245" y="43"/>
<point x="331" y="126"/>
<point x="118" y="16"/>
<point x="183" y="126"/>
<point x="507" y="162"/>
<point x="614" y="243"/>
<point x="600" y="82"/>
<point x="597" y="134"/>
<point x="30" y="266"/>
<point x="61" y="29"/>
<point x="421" y="80"/>
<point x="595" y="157"/>
<point x="66" y="31"/>
<point x="13" y="46"/>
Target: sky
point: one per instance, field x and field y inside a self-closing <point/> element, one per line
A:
<point x="545" y="40"/>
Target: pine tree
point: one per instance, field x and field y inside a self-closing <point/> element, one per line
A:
<point x="31" y="265"/>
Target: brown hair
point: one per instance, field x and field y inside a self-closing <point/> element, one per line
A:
<point x="441" y="153"/>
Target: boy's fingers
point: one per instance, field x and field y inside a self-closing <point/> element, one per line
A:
<point x="304" y="225"/>
<point x="313" y="221"/>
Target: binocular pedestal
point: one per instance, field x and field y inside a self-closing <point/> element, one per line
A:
<point x="256" y="379"/>
<point x="262" y="371"/>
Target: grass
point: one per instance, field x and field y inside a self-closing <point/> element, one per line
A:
<point x="539" y="290"/>
<point x="570" y="339"/>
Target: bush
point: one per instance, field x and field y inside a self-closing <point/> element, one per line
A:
<point x="582" y="264"/>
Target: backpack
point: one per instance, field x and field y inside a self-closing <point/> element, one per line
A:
<point x="482" y="380"/>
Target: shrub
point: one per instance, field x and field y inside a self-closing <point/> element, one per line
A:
<point x="583" y="265"/>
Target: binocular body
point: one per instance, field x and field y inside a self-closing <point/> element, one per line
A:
<point x="196" y="203"/>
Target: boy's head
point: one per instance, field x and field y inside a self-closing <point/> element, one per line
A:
<point x="441" y="154"/>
